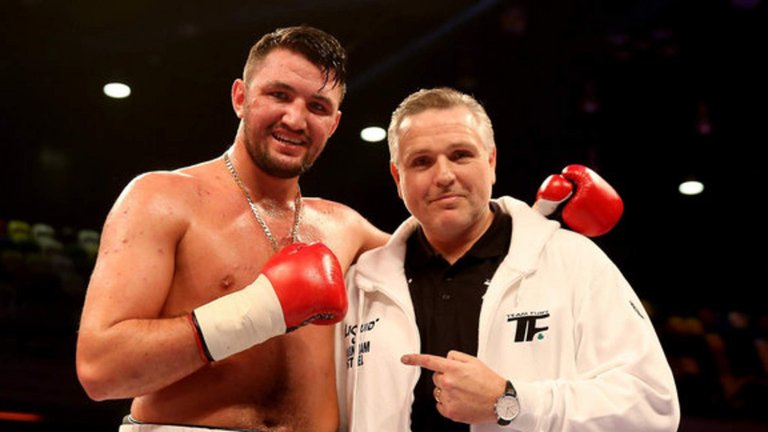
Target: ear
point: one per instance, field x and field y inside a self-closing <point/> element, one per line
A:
<point x="492" y="162"/>
<point x="335" y="123"/>
<point x="396" y="176"/>
<point x="238" y="97"/>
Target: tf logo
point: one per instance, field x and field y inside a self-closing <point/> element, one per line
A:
<point x="527" y="323"/>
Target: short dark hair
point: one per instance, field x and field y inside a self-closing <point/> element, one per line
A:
<point x="317" y="46"/>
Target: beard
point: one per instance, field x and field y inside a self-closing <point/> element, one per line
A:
<point x="260" y="155"/>
<point x="271" y="166"/>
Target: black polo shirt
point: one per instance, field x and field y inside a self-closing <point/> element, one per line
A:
<point x="446" y="300"/>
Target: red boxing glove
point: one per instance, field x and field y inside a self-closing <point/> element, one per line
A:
<point x="300" y="284"/>
<point x="593" y="209"/>
<point x="552" y="193"/>
<point x="309" y="283"/>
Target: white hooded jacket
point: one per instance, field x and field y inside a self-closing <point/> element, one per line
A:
<point x="558" y="320"/>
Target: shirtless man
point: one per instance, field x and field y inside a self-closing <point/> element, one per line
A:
<point x="182" y="251"/>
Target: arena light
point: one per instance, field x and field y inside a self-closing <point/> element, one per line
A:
<point x="691" y="187"/>
<point x="117" y="90"/>
<point x="373" y="134"/>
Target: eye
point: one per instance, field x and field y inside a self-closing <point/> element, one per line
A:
<point x="319" y="108"/>
<point x="282" y="96"/>
<point x="420" y="162"/>
<point x="459" y="155"/>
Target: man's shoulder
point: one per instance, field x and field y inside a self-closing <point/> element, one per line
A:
<point x="173" y="182"/>
<point x="159" y="183"/>
<point x="152" y="177"/>
<point x="161" y="191"/>
<point x="331" y="209"/>
<point x="344" y="223"/>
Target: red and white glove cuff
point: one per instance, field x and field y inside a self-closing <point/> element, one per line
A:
<point x="239" y="320"/>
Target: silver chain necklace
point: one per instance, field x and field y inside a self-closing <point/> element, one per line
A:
<point x="257" y="214"/>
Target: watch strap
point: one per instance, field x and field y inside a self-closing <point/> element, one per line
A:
<point x="510" y="389"/>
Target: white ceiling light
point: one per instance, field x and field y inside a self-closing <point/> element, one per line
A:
<point x="691" y="187"/>
<point x="373" y="134"/>
<point x="117" y="90"/>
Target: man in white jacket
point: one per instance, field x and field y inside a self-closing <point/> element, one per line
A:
<point x="480" y="314"/>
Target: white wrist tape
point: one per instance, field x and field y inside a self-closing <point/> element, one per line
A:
<point x="240" y="320"/>
<point x="546" y="207"/>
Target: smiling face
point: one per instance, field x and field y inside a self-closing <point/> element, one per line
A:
<point x="288" y="112"/>
<point x="445" y="172"/>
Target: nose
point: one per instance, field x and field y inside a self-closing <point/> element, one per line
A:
<point x="295" y="115"/>
<point x="444" y="174"/>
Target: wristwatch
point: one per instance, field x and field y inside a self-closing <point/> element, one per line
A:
<point x="507" y="406"/>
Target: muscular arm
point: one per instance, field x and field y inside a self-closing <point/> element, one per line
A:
<point x="366" y="236"/>
<point x="347" y="232"/>
<point x="124" y="347"/>
<point x="370" y="236"/>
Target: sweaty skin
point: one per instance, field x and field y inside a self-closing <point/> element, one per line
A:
<point x="218" y="248"/>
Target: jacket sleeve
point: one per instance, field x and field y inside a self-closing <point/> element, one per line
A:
<point x="623" y="381"/>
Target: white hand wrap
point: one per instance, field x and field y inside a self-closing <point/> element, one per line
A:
<point x="547" y="207"/>
<point x="239" y="320"/>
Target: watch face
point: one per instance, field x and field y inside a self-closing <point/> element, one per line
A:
<point x="507" y="407"/>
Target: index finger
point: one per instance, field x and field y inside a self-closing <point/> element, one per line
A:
<point x="427" y="361"/>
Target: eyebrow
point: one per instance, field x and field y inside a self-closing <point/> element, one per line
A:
<point x="317" y="96"/>
<point x="457" y="146"/>
<point x="454" y="146"/>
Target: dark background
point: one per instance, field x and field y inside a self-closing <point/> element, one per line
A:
<point x="647" y="93"/>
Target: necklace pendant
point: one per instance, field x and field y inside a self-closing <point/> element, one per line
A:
<point x="294" y="234"/>
<point x="286" y="240"/>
